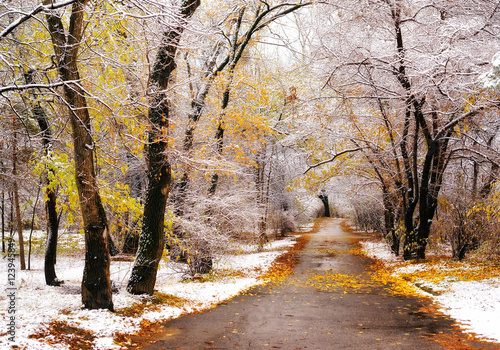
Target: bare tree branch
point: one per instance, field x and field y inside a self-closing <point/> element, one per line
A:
<point x="333" y="158"/>
<point x="36" y="86"/>
<point x="36" y="10"/>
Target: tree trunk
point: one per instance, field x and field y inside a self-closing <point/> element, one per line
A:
<point x="96" y="283"/>
<point x="219" y="138"/>
<point x="51" y="247"/>
<point x="491" y="180"/>
<point x="3" y="221"/>
<point x="113" y="249"/>
<point x="324" y="199"/>
<point x="16" y="199"/>
<point x="151" y="240"/>
<point x="50" y="194"/>
<point x="50" y="203"/>
<point x="32" y="227"/>
<point x="262" y="194"/>
<point x="390" y="223"/>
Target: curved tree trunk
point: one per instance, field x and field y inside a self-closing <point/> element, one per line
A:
<point x="96" y="283"/>
<point x="152" y="239"/>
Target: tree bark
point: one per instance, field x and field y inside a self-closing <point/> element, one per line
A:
<point x="96" y="283"/>
<point x="151" y="240"/>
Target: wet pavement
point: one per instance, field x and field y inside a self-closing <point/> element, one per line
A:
<point x="333" y="300"/>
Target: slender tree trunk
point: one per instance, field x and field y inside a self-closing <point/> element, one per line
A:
<point x="16" y="199"/>
<point x="96" y="283"/>
<point x="390" y="222"/>
<point x="263" y="193"/>
<point x="11" y="214"/>
<point x="151" y="241"/>
<point x="32" y="227"/>
<point x="219" y="139"/>
<point x="3" y="221"/>
<point x="234" y="57"/>
<point x="50" y="203"/>
<point x="493" y="176"/>
<point x="50" y="194"/>
<point x="113" y="249"/>
<point x="219" y="135"/>
<point x="51" y="247"/>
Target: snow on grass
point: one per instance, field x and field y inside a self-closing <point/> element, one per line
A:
<point x="378" y="250"/>
<point x="475" y="304"/>
<point x="39" y="305"/>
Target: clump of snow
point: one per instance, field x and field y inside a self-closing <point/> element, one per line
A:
<point x="37" y="305"/>
<point x="410" y="268"/>
<point x="379" y="251"/>
<point x="491" y="79"/>
<point x="474" y="304"/>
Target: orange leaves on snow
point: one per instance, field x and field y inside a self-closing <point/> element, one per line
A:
<point x="58" y="332"/>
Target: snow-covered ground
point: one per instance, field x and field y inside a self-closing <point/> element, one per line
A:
<point x="37" y="305"/>
<point x="475" y="304"/>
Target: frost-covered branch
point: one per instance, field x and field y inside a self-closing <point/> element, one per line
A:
<point x="332" y="158"/>
<point x="35" y="86"/>
<point x="36" y="10"/>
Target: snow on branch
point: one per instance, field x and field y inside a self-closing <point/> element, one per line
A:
<point x="333" y="158"/>
<point x="35" y="86"/>
<point x="35" y="11"/>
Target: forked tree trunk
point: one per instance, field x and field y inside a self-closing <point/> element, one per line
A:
<point x="152" y="240"/>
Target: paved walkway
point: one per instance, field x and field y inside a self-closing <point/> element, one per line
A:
<point x="332" y="301"/>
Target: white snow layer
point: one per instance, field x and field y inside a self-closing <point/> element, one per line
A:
<point x="37" y="305"/>
<point x="475" y="305"/>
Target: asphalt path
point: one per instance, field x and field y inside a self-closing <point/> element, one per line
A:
<point x="331" y="301"/>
